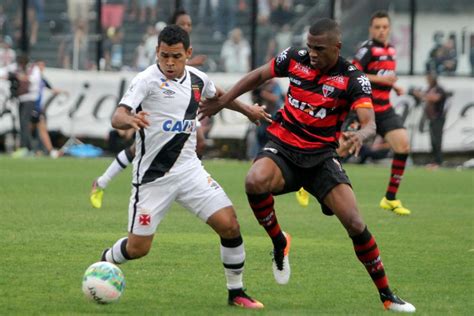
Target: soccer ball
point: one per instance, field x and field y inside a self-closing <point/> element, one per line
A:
<point x="103" y="282"/>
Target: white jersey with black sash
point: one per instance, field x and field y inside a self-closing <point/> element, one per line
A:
<point x="168" y="145"/>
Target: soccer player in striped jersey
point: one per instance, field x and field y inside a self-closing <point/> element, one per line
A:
<point x="161" y="104"/>
<point x="377" y="58"/>
<point x="301" y="152"/>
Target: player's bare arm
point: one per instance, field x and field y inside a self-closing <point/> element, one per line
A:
<point x="255" y="113"/>
<point x="249" y="82"/>
<point x="123" y="118"/>
<point x="351" y="142"/>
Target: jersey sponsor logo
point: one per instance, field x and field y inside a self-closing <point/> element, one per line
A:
<point x="361" y="53"/>
<point x="282" y="56"/>
<point x="302" y="68"/>
<point x="365" y="84"/>
<point x="327" y="90"/>
<point x="295" y="81"/>
<point x="378" y="51"/>
<point x="337" y="78"/>
<point x="184" y="126"/>
<point x="317" y="112"/>
<point x="196" y="92"/>
<point x="302" y="52"/>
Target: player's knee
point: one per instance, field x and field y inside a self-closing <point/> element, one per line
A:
<point x="354" y="225"/>
<point x="255" y="183"/>
<point x="231" y="229"/>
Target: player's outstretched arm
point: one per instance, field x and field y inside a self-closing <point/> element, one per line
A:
<point x="249" y="82"/>
<point x="255" y="113"/>
<point x="123" y="118"/>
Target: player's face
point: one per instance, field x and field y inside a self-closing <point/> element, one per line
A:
<point x="172" y="59"/>
<point x="380" y="29"/>
<point x="184" y="22"/>
<point x="323" y="50"/>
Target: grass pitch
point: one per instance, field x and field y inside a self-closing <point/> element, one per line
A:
<point x="49" y="235"/>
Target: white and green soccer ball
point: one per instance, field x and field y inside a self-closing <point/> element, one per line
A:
<point x="103" y="282"/>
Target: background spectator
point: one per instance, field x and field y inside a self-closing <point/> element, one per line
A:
<point x="434" y="98"/>
<point x="113" y="49"/>
<point x="148" y="10"/>
<point x="29" y="78"/>
<point x="235" y="53"/>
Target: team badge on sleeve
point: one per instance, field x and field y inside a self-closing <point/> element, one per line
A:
<point x="283" y="55"/>
<point x="365" y="84"/>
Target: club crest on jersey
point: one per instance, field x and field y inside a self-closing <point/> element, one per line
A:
<point x="197" y="93"/>
<point x="144" y="217"/>
<point x="184" y="126"/>
<point x="164" y="83"/>
<point x="327" y="90"/>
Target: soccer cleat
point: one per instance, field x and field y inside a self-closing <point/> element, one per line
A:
<point x="281" y="262"/>
<point x="394" y="303"/>
<point x="240" y="299"/>
<point x="394" y="206"/>
<point x="97" y="193"/>
<point x="302" y="196"/>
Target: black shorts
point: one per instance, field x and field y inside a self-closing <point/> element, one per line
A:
<point x="318" y="180"/>
<point x="35" y="116"/>
<point x="388" y="121"/>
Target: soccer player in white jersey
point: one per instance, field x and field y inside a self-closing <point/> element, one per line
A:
<point x="125" y="157"/>
<point x="161" y="104"/>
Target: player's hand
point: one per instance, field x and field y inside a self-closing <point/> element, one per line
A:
<point x="349" y="143"/>
<point x="257" y="114"/>
<point x="390" y="79"/>
<point x="398" y="90"/>
<point x="139" y="120"/>
<point x="209" y="107"/>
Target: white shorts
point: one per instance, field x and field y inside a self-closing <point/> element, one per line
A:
<point x="195" y="190"/>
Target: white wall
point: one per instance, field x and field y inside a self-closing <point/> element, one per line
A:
<point x="92" y="117"/>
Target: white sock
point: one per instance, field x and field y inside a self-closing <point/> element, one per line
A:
<point x="118" y="165"/>
<point x="118" y="253"/>
<point x="233" y="258"/>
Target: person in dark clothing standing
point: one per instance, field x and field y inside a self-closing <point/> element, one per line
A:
<point x="434" y="98"/>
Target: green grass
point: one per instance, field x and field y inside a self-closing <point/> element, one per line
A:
<point x="49" y="235"/>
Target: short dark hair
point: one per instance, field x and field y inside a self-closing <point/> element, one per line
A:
<point x="325" y="26"/>
<point x="176" y="15"/>
<point x="379" y="15"/>
<point x="173" y="34"/>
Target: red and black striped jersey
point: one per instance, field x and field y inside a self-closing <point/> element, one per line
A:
<point x="375" y="58"/>
<point x="316" y="103"/>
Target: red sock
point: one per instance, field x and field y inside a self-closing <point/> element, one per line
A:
<point x="398" y="167"/>
<point x="368" y="253"/>
<point x="262" y="207"/>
